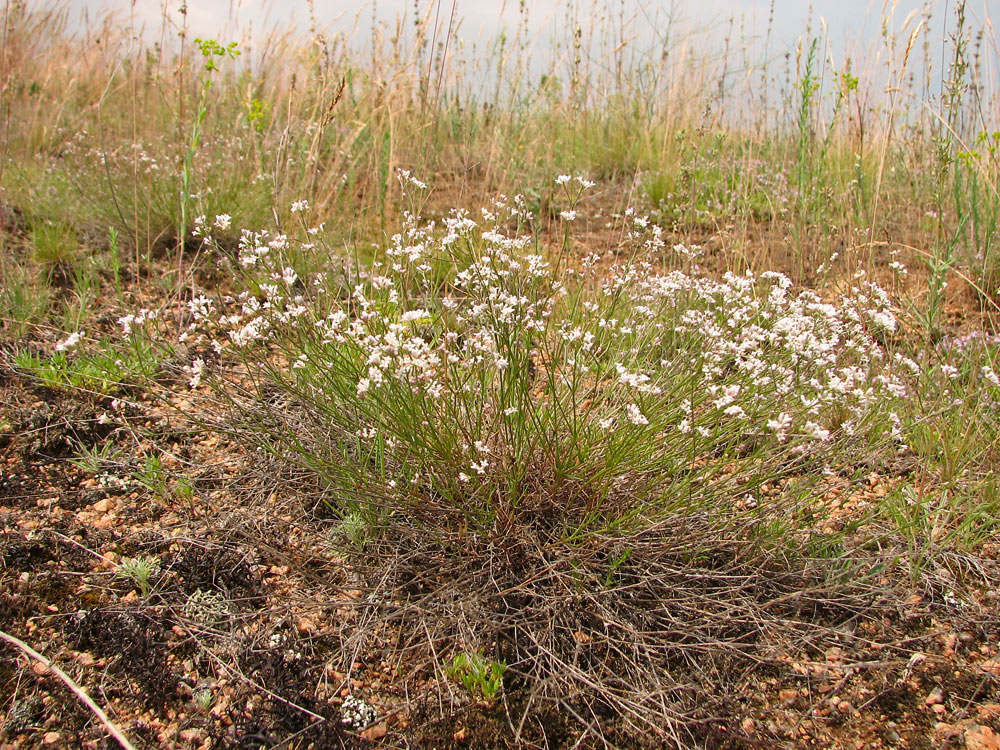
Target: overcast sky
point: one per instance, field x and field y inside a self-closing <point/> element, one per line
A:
<point x="212" y="17"/>
<point x="853" y="25"/>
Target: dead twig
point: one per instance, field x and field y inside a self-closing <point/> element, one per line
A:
<point x="77" y="690"/>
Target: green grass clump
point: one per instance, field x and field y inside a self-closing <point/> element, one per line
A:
<point x="105" y="371"/>
<point x="24" y="301"/>
<point x="538" y="375"/>
<point x="54" y="247"/>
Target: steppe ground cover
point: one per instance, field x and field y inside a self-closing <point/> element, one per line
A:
<point x="377" y="388"/>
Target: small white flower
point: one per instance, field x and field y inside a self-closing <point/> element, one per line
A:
<point x="563" y="179"/>
<point x="897" y="427"/>
<point x="813" y="430"/>
<point x="200" y="307"/>
<point x="635" y="415"/>
<point x="729" y="394"/>
<point x="568" y="215"/>
<point x="412" y="316"/>
<point x="780" y="426"/>
<point x="69" y="342"/>
<point x="223" y="221"/>
<point x="687" y="252"/>
<point x="404" y="176"/>
<point x="195" y="370"/>
<point x="898" y="268"/>
<point x="299" y="206"/>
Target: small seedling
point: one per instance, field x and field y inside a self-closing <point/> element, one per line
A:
<point x="138" y="570"/>
<point x="480" y="676"/>
<point x="354" y="527"/>
<point x="184" y="489"/>
<point x="207" y="607"/>
<point x="203" y="699"/>
<point x="153" y="476"/>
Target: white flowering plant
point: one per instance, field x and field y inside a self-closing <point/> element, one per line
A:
<point x="460" y="377"/>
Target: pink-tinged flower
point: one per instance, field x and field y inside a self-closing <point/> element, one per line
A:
<point x="780" y="426"/>
<point x="635" y="415"/>
<point x="814" y="431"/>
<point x="363" y="387"/>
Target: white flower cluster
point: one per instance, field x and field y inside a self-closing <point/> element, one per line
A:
<point x="195" y="370"/>
<point x="461" y="330"/>
<point x="406" y="178"/>
<point x="69" y="342"/>
<point x="762" y="350"/>
<point x="564" y="180"/>
<point x="135" y="321"/>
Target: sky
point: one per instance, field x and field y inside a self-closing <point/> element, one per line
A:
<point x="212" y="16"/>
<point x="853" y="26"/>
<point x="855" y="18"/>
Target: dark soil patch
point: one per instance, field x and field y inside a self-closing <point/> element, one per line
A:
<point x="137" y="650"/>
